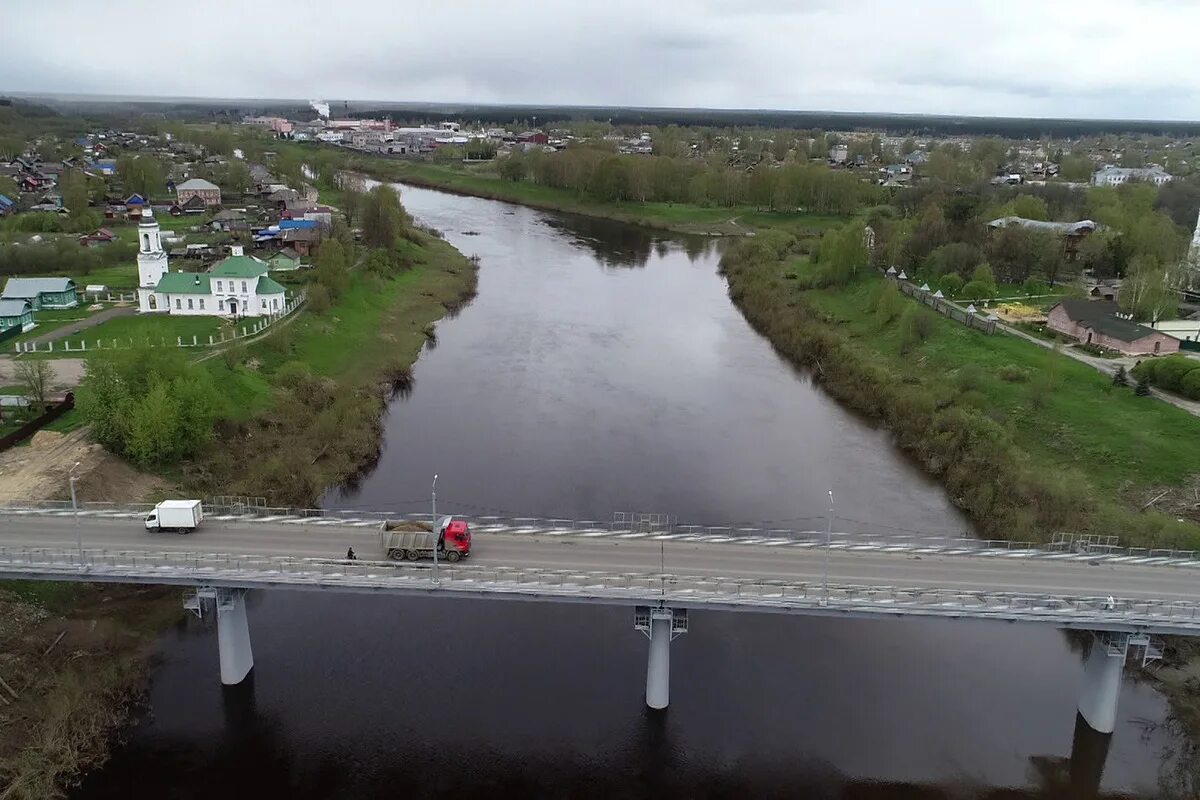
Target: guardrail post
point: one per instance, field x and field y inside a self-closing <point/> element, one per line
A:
<point x="233" y="636"/>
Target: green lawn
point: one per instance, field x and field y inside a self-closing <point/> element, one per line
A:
<point x="377" y="325"/>
<point x="1084" y="423"/>
<point x="50" y="320"/>
<point x="154" y="327"/>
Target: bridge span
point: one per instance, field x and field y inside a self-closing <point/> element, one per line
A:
<point x="1126" y="600"/>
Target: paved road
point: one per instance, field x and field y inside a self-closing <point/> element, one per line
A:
<point x="1128" y="581"/>
<point x="68" y="372"/>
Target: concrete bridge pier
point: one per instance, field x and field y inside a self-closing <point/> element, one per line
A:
<point x="233" y="636"/>
<point x="661" y="625"/>
<point x="1102" y="680"/>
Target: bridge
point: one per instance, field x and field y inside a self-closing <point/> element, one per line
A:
<point x="1125" y="597"/>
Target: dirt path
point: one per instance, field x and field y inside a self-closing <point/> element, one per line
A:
<point x="67" y="372"/>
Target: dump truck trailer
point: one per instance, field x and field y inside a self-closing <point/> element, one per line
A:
<point x="411" y="541"/>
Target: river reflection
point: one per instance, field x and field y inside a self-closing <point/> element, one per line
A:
<point x="599" y="369"/>
<point x="357" y="696"/>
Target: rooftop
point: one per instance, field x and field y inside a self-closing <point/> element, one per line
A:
<point x="18" y="288"/>
<point x="184" y="283"/>
<point x="197" y="183"/>
<point x="1082" y="226"/>
<point x="13" y="308"/>
<point x="1101" y="316"/>
<point x="239" y="267"/>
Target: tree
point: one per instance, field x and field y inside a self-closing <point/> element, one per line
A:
<point x="352" y="203"/>
<point x="235" y="177"/>
<point x="140" y="174"/>
<point x="333" y="270"/>
<point x="36" y="377"/>
<point x="512" y="168"/>
<point x="1143" y="387"/>
<point x="75" y="192"/>
<point x="383" y="218"/>
<point x="1030" y="207"/>
<point x="149" y="403"/>
<point x="1120" y="377"/>
<point x="1147" y="291"/>
<point x="951" y="284"/>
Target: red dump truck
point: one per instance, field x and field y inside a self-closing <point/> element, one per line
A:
<point x="412" y="541"/>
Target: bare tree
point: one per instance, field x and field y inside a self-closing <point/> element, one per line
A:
<point x="36" y="377"/>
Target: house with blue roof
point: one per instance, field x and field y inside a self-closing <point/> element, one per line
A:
<point x="42" y="292"/>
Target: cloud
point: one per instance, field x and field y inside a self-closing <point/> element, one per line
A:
<point x="1097" y="58"/>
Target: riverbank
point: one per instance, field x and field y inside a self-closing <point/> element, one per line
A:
<point x="310" y="397"/>
<point x="1010" y="450"/>
<point x="1028" y="442"/>
<point x="480" y="180"/>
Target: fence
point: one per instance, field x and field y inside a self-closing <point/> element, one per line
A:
<point x="731" y="591"/>
<point x="34" y="425"/>
<point x="665" y="527"/>
<point x="110" y="297"/>
<point x="245" y="331"/>
<point x="945" y="307"/>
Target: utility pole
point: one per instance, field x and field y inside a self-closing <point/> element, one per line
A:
<point x="75" y="512"/>
<point x="828" y="539"/>
<point x="436" y="532"/>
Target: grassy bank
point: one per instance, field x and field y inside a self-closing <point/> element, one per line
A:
<point x="1028" y="442"/>
<point x="308" y="400"/>
<point x="71" y="654"/>
<point x="481" y="180"/>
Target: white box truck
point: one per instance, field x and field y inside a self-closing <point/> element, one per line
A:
<point x="180" y="516"/>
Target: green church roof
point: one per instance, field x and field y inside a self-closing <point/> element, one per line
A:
<point x="267" y="285"/>
<point x="184" y="283"/>
<point x="239" y="267"/>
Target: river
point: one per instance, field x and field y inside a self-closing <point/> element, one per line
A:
<point x="603" y="368"/>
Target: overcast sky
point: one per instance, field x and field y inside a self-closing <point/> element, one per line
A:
<point x="1055" y="58"/>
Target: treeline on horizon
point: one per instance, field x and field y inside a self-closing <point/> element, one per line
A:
<point x="915" y="124"/>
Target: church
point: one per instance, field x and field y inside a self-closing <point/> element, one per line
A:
<point x="235" y="287"/>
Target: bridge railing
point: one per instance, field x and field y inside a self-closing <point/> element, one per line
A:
<point x="843" y="540"/>
<point x="199" y="568"/>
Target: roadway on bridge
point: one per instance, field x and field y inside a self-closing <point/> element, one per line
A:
<point x="996" y="573"/>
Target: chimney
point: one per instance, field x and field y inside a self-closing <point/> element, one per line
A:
<point x="235" y="250"/>
<point x="197" y="280"/>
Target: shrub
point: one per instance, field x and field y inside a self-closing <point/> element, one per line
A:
<point x="1033" y="286"/>
<point x="957" y="258"/>
<point x="1120" y="377"/>
<point x="1143" y="387"/>
<point x="968" y="377"/>
<point x="889" y="306"/>
<point x="318" y="299"/>
<point x="1013" y="374"/>
<point x="1170" y="372"/>
<point x="951" y="284"/>
<point x="978" y="290"/>
<point x="983" y="273"/>
<point x="1190" y="385"/>
<point x="909" y="337"/>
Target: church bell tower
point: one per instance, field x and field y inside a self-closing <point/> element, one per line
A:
<point x="151" y="261"/>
